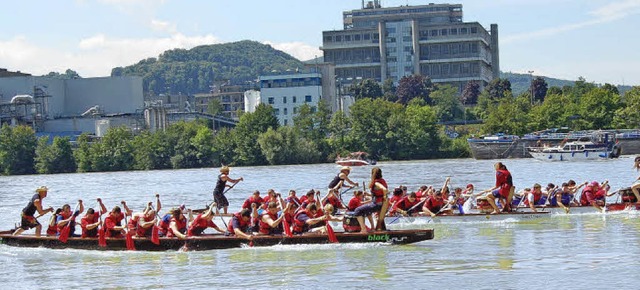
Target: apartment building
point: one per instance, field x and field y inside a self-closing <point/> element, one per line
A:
<point x="432" y="40"/>
<point x="287" y="92"/>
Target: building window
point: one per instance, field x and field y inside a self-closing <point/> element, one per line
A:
<point x="376" y="36"/>
<point x="443" y="32"/>
<point x="286" y="111"/>
<point x="294" y="99"/>
<point x="277" y="112"/>
<point x="284" y="100"/>
<point x="454" y="31"/>
<point x="356" y="37"/>
<point x="347" y="38"/>
<point x="338" y="38"/>
<point x="463" y="30"/>
<point x="313" y="109"/>
<point x="270" y="100"/>
<point x="434" y="32"/>
<point x="295" y="110"/>
<point x="307" y="99"/>
<point x="408" y="49"/>
<point x="366" y="36"/>
<point x="406" y="38"/>
<point x="328" y="38"/>
<point x="474" y="30"/>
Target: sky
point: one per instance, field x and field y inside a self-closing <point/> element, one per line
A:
<point x="595" y="39"/>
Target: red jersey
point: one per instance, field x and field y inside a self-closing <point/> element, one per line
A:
<point x="181" y="224"/>
<point x="265" y="228"/>
<point x="504" y="182"/>
<point x="199" y="224"/>
<point x="110" y="222"/>
<point x="354" y="203"/>
<point x="247" y="203"/>
<point x="85" y="221"/>
<point x="378" y="194"/>
<point x="434" y="204"/>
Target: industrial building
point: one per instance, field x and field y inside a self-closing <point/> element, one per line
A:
<point x="71" y="105"/>
<point x="431" y="40"/>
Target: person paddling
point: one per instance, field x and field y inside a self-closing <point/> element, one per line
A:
<point x="203" y="221"/>
<point x="91" y="221"/>
<point x="68" y="219"/>
<point x="218" y="191"/>
<point x="28" y="220"/>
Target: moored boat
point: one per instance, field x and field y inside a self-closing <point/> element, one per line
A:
<point x="574" y="151"/>
<point x="216" y="241"/>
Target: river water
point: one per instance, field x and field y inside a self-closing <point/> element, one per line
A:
<point x="575" y="251"/>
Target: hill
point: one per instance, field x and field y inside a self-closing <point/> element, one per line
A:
<point x="194" y="70"/>
<point x="520" y="82"/>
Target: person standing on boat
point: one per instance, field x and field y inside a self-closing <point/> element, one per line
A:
<point x="502" y="190"/>
<point x="339" y="180"/>
<point x="635" y="187"/>
<point x="221" y="184"/>
<point x="28" y="220"/>
<point x="379" y="190"/>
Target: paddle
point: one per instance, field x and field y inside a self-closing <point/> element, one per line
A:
<point x="128" y="236"/>
<point x="285" y="224"/>
<point x="409" y="210"/>
<point x="345" y="191"/>
<point x="330" y="233"/>
<point x="437" y="213"/>
<point x="64" y="233"/>
<point x="155" y="236"/>
<point x="102" y="234"/>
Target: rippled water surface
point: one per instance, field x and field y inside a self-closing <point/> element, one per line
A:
<point x="575" y="251"/>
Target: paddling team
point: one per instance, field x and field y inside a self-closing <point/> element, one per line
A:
<point x="273" y="214"/>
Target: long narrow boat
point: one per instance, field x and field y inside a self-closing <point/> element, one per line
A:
<point x="217" y="241"/>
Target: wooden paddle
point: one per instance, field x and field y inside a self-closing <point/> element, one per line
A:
<point x="102" y="234"/>
<point x="64" y="233"/>
<point x="330" y="233"/>
<point x="410" y="209"/>
<point x="128" y="236"/>
<point x="285" y="224"/>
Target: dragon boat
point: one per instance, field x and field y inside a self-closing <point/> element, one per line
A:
<point x="215" y="241"/>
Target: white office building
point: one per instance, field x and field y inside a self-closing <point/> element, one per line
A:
<point x="287" y="92"/>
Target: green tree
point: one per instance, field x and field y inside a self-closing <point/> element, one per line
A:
<point x="370" y="125"/>
<point x="17" y="150"/>
<point x="54" y="158"/>
<point x="214" y="107"/>
<point x="82" y="154"/>
<point x="285" y="146"/>
<point x="556" y="111"/>
<point x="339" y="129"/>
<point x="414" y="86"/>
<point x="367" y="88"/>
<point x="498" y="89"/>
<point x="596" y="107"/>
<point x="250" y="126"/>
<point x="539" y="88"/>
<point x="446" y="102"/>
<point x="628" y="115"/>
<point x="151" y="151"/>
<point x="510" y="116"/>
<point x="223" y="146"/>
<point x="114" y="152"/>
<point x="389" y="90"/>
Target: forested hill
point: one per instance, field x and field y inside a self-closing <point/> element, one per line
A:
<point x="194" y="70"/>
<point x="521" y="82"/>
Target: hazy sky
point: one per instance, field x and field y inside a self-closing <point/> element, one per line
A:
<point x="596" y="39"/>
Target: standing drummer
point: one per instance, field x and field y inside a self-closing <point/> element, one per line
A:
<point x="28" y="220"/>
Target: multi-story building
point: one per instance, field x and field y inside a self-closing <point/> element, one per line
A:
<point x="231" y="98"/>
<point x="286" y="93"/>
<point x="431" y="40"/>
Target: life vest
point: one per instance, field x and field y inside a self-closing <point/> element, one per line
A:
<point x="181" y="224"/>
<point x="86" y="233"/>
<point x="335" y="202"/>
<point x="300" y="226"/>
<point x="537" y="195"/>
<point x="265" y="228"/>
<point x="247" y="203"/>
<point x="378" y="194"/>
<point x="354" y="203"/>
<point x="433" y="204"/>
<point x="144" y="232"/>
<point x="164" y="224"/>
<point x="243" y="225"/>
<point x="504" y="181"/>
<point x="350" y="224"/>
<point x="584" y="197"/>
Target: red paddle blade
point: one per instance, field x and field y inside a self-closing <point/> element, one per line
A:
<point x="64" y="234"/>
<point x="287" y="228"/>
<point x="129" y="241"/>
<point x="331" y="234"/>
<point x="102" y="237"/>
<point x="155" y="237"/>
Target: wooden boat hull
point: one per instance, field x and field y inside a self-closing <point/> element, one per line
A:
<point x="216" y="241"/>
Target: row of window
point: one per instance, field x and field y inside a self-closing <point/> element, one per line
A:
<point x="294" y="99"/>
<point x="407" y="10"/>
<point x="295" y="111"/>
<point x="424" y="35"/>
<point x="450" y="70"/>
<point x="289" y="83"/>
<point x="449" y="50"/>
